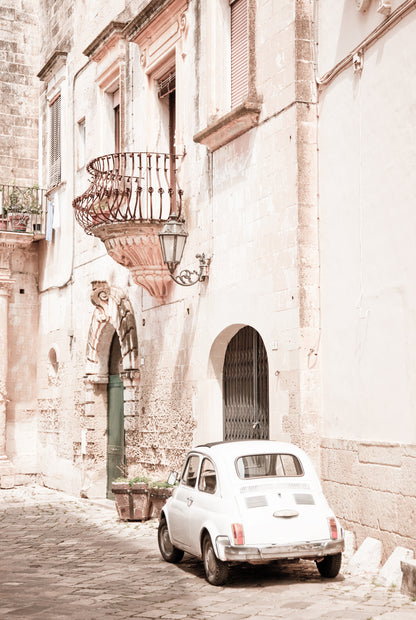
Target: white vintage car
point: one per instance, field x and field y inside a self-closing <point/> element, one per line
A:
<point x="249" y="501"/>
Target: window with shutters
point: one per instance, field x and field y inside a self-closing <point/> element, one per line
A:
<point x="244" y="103"/>
<point x="239" y="52"/>
<point x="55" y="142"/>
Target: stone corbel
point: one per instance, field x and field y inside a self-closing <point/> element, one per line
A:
<point x="362" y="5"/>
<point x="383" y="6"/>
<point x="91" y="380"/>
<point x="130" y="378"/>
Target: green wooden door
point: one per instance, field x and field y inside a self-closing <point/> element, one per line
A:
<point x="115" y="431"/>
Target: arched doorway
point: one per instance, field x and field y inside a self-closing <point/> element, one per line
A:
<point x="246" y="387"/>
<point x="115" y="416"/>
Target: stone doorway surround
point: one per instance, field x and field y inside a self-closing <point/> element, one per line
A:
<point x="113" y="313"/>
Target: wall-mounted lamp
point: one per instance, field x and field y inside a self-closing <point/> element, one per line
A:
<point x="172" y="239"/>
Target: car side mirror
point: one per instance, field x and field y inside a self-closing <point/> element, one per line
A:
<point x="173" y="477"/>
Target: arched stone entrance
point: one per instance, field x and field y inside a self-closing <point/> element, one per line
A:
<point x="246" y="387"/>
<point x="112" y="324"/>
<point x="238" y="386"/>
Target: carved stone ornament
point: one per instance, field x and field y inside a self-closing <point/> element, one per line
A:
<point x="362" y="5"/>
<point x="112" y="308"/>
<point x="137" y="247"/>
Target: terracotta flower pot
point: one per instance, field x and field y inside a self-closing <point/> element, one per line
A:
<point x="121" y="492"/>
<point x="157" y="499"/>
<point x="132" y="502"/>
<point x="18" y="221"/>
<point x="140" y="502"/>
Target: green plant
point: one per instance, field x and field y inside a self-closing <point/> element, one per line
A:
<point x="137" y="479"/>
<point x="22" y="200"/>
<point x="160" y="484"/>
<point x="131" y="481"/>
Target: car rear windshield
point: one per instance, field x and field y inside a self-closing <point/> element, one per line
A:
<point x="268" y="465"/>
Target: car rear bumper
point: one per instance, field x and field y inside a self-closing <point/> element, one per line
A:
<point x="312" y="550"/>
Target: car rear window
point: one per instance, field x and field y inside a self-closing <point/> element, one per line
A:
<point x="268" y="465"/>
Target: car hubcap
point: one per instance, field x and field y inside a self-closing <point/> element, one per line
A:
<point x="167" y="545"/>
<point x="210" y="561"/>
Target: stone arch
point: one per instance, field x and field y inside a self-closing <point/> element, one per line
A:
<point x="113" y="312"/>
<point x="215" y="373"/>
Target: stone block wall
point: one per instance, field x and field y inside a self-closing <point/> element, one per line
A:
<point x="19" y="53"/>
<point x="371" y="486"/>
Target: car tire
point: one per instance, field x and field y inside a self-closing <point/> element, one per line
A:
<point x="330" y="565"/>
<point x="216" y="571"/>
<point x="168" y="551"/>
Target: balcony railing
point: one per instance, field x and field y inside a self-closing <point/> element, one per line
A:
<point x="130" y="197"/>
<point x="130" y="187"/>
<point x="23" y="209"/>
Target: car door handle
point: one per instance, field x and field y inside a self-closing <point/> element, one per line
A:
<point x="189" y="501"/>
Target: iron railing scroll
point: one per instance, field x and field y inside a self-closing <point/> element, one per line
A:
<point x="130" y="187"/>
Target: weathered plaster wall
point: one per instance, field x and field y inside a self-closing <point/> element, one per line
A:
<point x="22" y="366"/>
<point x="366" y="170"/>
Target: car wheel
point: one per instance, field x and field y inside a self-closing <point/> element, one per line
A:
<point x="216" y="571"/>
<point x="169" y="552"/>
<point x="330" y="565"/>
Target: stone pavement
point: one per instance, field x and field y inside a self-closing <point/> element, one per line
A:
<point x="68" y="558"/>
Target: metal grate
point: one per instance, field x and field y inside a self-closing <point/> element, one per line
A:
<point x="304" y="499"/>
<point x="246" y="387"/>
<point x="258" y="501"/>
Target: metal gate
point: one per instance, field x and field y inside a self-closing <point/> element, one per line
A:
<point x="246" y="387"/>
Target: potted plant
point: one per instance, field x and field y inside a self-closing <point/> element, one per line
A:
<point x="159" y="492"/>
<point x="20" y="204"/>
<point x="139" y="499"/>
<point x="132" y="498"/>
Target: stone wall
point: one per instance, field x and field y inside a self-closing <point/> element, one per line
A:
<point x="19" y="53"/>
<point x="371" y="486"/>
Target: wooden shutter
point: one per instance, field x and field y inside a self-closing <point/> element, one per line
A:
<point x="55" y="142"/>
<point x="239" y="51"/>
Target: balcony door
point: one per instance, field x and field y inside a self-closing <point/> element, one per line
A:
<point x="246" y="387"/>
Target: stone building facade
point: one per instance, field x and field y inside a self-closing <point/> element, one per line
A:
<point x="231" y="117"/>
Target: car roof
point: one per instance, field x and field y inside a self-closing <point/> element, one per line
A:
<point x="235" y="449"/>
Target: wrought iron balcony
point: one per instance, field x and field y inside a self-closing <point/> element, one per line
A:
<point x="130" y="196"/>
<point x="23" y="210"/>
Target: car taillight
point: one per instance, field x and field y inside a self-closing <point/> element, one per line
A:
<point x="333" y="528"/>
<point x="238" y="533"/>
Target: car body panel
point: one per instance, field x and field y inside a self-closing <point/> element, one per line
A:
<point x="281" y="516"/>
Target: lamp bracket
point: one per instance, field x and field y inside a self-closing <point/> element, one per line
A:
<point x="186" y="277"/>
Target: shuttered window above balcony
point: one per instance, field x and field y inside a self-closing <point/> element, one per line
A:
<point x="239" y="52"/>
<point x="244" y="102"/>
<point x="55" y="142"/>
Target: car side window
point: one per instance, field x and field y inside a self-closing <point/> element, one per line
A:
<point x="207" y="477"/>
<point x="191" y="470"/>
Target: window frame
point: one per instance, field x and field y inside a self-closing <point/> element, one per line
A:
<point x="188" y="460"/>
<point x="200" y="477"/>
<point x="55" y="140"/>
<point x="269" y="476"/>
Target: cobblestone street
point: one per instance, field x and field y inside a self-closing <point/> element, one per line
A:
<point x="63" y="557"/>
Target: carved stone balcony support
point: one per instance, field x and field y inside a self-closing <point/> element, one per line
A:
<point x="137" y="247"/>
<point x="130" y="197"/>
